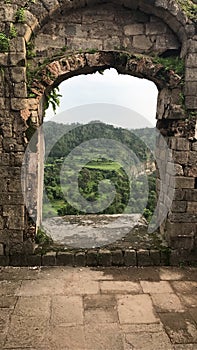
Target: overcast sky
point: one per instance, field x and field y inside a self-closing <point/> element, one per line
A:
<point x="111" y="98"/>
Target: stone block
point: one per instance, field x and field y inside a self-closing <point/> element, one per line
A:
<point x="18" y="260"/>
<point x="4" y="159"/>
<point x="49" y="259"/>
<point x="155" y="257"/>
<point x="15" y="216"/>
<point x="34" y="260"/>
<point x="8" y="12"/>
<point x="178" y="169"/>
<point x="18" y="104"/>
<point x="191" y="195"/>
<point x="191" y="74"/>
<point x="120" y="287"/>
<point x="12" y="198"/>
<point x="3" y="59"/>
<point x="179" y="206"/>
<point x="20" y="90"/>
<point x="18" y="74"/>
<point x="112" y="43"/>
<point x="190" y="88"/>
<point x="183" y="217"/>
<point x="134" y="29"/>
<point x="80" y="43"/>
<point x="17" y="45"/>
<point x="104" y="257"/>
<point x="179" y="194"/>
<point x="179" y="228"/>
<point x="1" y="249"/>
<point x="92" y="258"/>
<point x="143" y="258"/>
<point x="17" y="59"/>
<point x="180" y="157"/>
<point x="117" y="257"/>
<point x="191" y="102"/>
<point x="178" y="256"/>
<point x="182" y="144"/>
<point x="183" y="242"/>
<point x="80" y="259"/>
<point x="45" y="41"/>
<point x="184" y="182"/>
<point x="166" y="41"/>
<point x="192" y="207"/>
<point x="130" y="257"/>
<point x="4" y="260"/>
<point x="2" y="225"/>
<point x="142" y="42"/>
<point x="65" y="258"/>
<point x="136" y="309"/>
<point x="194" y="146"/>
<point x="155" y="28"/>
<point x="165" y="257"/>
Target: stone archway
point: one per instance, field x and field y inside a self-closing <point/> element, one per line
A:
<point x="59" y="39"/>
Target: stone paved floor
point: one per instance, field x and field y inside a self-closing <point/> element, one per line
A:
<point x="96" y="309"/>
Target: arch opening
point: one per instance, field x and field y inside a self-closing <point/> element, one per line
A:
<point x="134" y="117"/>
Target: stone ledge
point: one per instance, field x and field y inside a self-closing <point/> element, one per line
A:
<point x="105" y="258"/>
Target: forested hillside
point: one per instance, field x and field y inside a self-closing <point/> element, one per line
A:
<point x="130" y="197"/>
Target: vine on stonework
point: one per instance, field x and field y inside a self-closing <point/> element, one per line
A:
<point x="189" y="8"/>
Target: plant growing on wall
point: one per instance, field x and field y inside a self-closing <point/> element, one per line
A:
<point x="13" y="31"/>
<point x="20" y="15"/>
<point x="171" y="63"/>
<point x="53" y="99"/>
<point x="30" y="49"/>
<point x="189" y="8"/>
<point x="4" y="42"/>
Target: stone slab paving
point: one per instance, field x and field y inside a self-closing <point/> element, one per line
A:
<point x="65" y="308"/>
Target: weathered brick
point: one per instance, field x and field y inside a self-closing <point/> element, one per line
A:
<point x="18" y="74"/>
<point x="155" y="28"/>
<point x="80" y="259"/>
<point x="104" y="257"/>
<point x="192" y="207"/>
<point x="1" y="249"/>
<point x="117" y="257"/>
<point x="179" y="206"/>
<point x="65" y="258"/>
<point x="92" y="258"/>
<point x="183" y="242"/>
<point x="143" y="258"/>
<point x="191" y="195"/>
<point x="14" y="215"/>
<point x="34" y="260"/>
<point x="130" y="258"/>
<point x="191" y="88"/>
<point x="184" y="182"/>
<point x="49" y="259"/>
<point x="134" y="29"/>
<point x="20" y="90"/>
<point x="142" y="42"/>
<point x="183" y="217"/>
<point x="155" y="257"/>
<point x="180" y="157"/>
<point x="18" y="103"/>
<point x="191" y="102"/>
<point x="191" y="74"/>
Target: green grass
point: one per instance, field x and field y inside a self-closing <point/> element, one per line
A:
<point x="50" y="210"/>
<point x="103" y="166"/>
